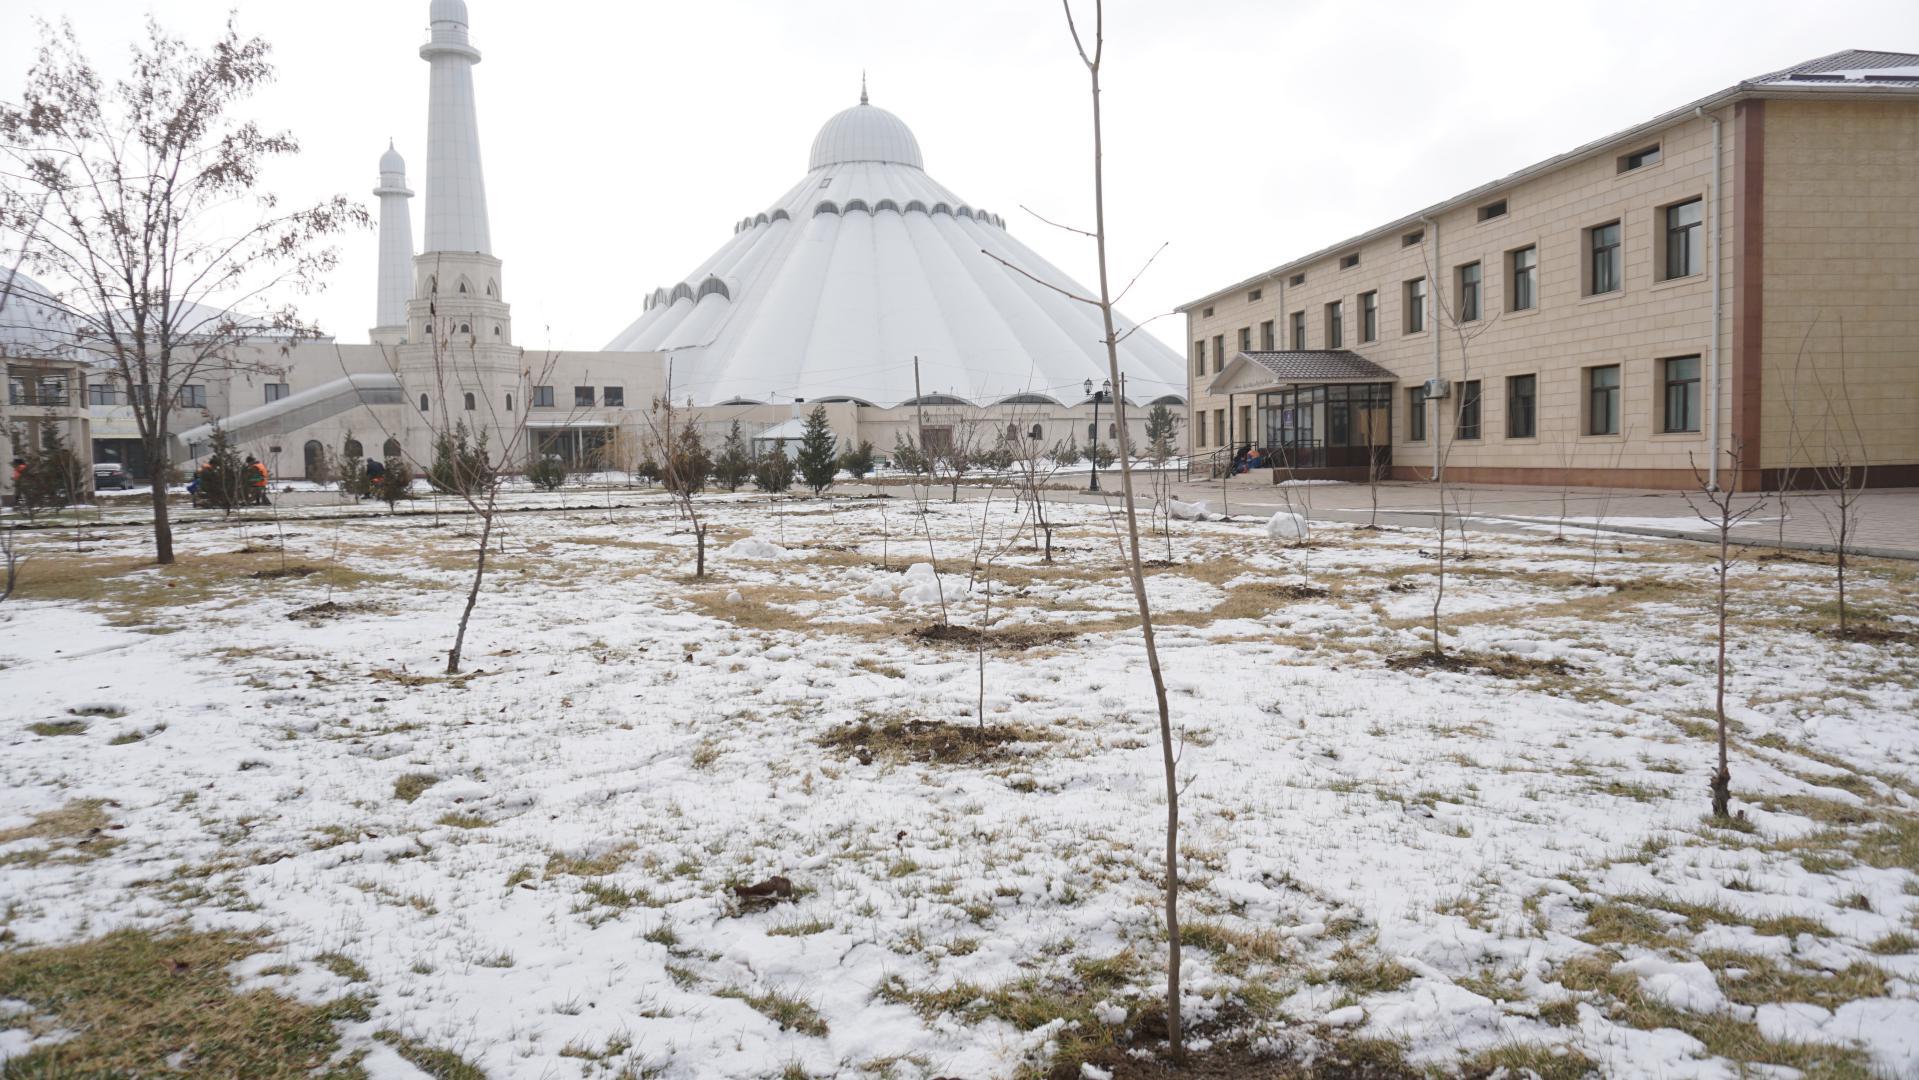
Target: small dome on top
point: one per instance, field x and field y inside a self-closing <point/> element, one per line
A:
<point x="391" y="161"/>
<point x="453" y="11"/>
<point x="865" y="133"/>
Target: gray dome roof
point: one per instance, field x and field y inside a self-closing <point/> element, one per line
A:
<point x="865" y="133"/>
<point x="32" y="323"/>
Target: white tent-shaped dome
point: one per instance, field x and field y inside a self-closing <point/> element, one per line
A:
<point x="866" y="263"/>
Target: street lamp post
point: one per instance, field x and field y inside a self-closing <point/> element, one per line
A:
<point x="1105" y="387"/>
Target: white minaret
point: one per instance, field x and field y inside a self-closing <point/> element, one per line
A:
<point x="455" y="187"/>
<point x="396" y="250"/>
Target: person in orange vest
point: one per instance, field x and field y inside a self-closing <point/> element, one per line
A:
<point x="255" y="473"/>
<point x="201" y="489"/>
<point x="19" y="474"/>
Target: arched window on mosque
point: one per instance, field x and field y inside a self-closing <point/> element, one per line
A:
<point x="1037" y="433"/>
<point x="466" y="328"/>
<point x="469" y="401"/>
<point x="314" y="458"/>
<point x="353" y="448"/>
<point x="509" y="403"/>
<point x="1012" y="433"/>
<point x="391" y="450"/>
<point x="422" y="402"/>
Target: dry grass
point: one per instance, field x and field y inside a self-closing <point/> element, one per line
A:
<point x="75" y="833"/>
<point x="143" y="1004"/>
<point x="900" y="739"/>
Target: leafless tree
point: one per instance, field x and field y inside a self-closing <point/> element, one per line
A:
<point x="1606" y="492"/>
<point x="154" y="233"/>
<point x="681" y="457"/>
<point x="1843" y="470"/>
<point x="1092" y="58"/>
<point x="11" y="559"/>
<point x="1035" y="462"/>
<point x="1720" y="509"/>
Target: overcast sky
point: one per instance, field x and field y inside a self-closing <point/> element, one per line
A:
<point x="623" y="139"/>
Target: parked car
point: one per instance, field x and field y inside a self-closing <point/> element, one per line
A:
<point x="111" y="475"/>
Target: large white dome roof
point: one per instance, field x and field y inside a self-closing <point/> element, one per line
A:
<point x="32" y="322"/>
<point x="865" y="133"/>
<point x="864" y="265"/>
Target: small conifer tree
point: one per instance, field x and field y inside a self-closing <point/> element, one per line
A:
<point x="547" y="472"/>
<point x="222" y="480"/>
<point x="774" y="470"/>
<point x="818" y="462"/>
<point x="858" y="460"/>
<point x="353" y="478"/>
<point x="734" y="465"/>
<point x="396" y="482"/>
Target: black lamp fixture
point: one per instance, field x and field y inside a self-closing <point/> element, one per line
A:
<point x="1105" y="388"/>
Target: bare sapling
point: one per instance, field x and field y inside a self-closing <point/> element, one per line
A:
<point x="1720" y="508"/>
<point x="683" y="463"/>
<point x="140" y="211"/>
<point x="1843" y="472"/>
<point x="1034" y="464"/>
<point x="924" y="458"/>
<point x="1597" y="538"/>
<point x="1093" y="59"/>
<point x="11" y="560"/>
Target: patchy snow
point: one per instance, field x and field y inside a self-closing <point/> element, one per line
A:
<point x="628" y="743"/>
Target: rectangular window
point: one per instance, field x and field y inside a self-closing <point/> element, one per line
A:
<point x="1682" y="238"/>
<point x="1207" y="314"/>
<point x="1219" y="425"/>
<point x="1468" y="410"/>
<point x="1298" y="279"/>
<point x="1253" y="297"/>
<point x="613" y="396"/>
<point x="542" y="397"/>
<point x="1640" y="158"/>
<point x="1469" y="275"/>
<point x="1416" y="414"/>
<point x="1199" y="427"/>
<point x="1245" y="339"/>
<point x="1336" y="325"/>
<point x="582" y="395"/>
<point x="276" y="391"/>
<point x="1602" y="250"/>
<point x="1369" y="316"/>
<point x="103" y="394"/>
<point x="1347" y="262"/>
<point x="1245" y="423"/>
<point x="1525" y="279"/>
<point x="1199" y="357"/>
<point x="1602" y="400"/>
<point x="1415" y="305"/>
<point x="1681" y="378"/>
<point x="1522" y="406"/>
<point x="1219" y="353"/>
<point x="1412" y="238"/>
<point x="193" y="396"/>
<point x="1266" y="335"/>
<point x="1299" y="329"/>
<point x="1492" y="210"/>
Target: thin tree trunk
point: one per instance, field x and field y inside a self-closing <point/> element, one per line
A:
<point x="157" y="466"/>
<point x="472" y="594"/>
<point x="1722" y="779"/>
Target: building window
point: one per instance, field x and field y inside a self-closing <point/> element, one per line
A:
<point x="1037" y="433"/>
<point x="103" y="394"/>
<point x="542" y="397"/>
<point x="582" y="396"/>
<point x="1682" y="238"/>
<point x="509" y="403"/>
<point x="1299" y="329"/>
<point x="1219" y="425"/>
<point x="1347" y="262"/>
<point x="276" y="391"/>
<point x="1245" y="423"/>
<point x="1640" y="158"/>
<point x="352" y="448"/>
<point x="1219" y="353"/>
<point x="465" y="328"/>
<point x="1206" y="314"/>
<point x="1245" y="339"/>
<point x="1492" y="210"/>
<point x="1415" y="305"/>
<point x="423" y="403"/>
<point x="1602" y="249"/>
<point x="468" y="400"/>
<point x="1525" y="279"/>
<point x="1681" y="378"/>
<point x="1468" y="419"/>
<point x="1416" y="414"/>
<point x="1522" y="406"/>
<point x="1298" y="279"/>
<point x="1469" y="275"/>
<point x="1411" y="238"/>
<point x="1602" y="400"/>
<point x="1336" y="325"/>
<point x="613" y="396"/>
<point x="1369" y="316"/>
<point x="1253" y="297"/>
<point x="193" y="396"/>
<point x="1199" y="357"/>
<point x="390" y="449"/>
<point x="1266" y="335"/>
<point x="1199" y="427"/>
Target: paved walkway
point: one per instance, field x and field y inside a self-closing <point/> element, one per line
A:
<point x="1886" y="521"/>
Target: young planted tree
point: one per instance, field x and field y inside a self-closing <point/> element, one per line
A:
<point x="684" y="465"/>
<point x="461" y="464"/>
<point x="546" y="472"/>
<point x="1093" y="58"/>
<point x="221" y="481"/>
<point x="1843" y="472"/>
<point x="733" y="465"/>
<point x="395" y="483"/>
<point x="51" y="478"/>
<point x="819" y="461"/>
<point x="773" y="470"/>
<point x="353" y="477"/>
<point x="1034" y="464"/>
<point x="138" y="205"/>
<point x="857" y="461"/>
<point x="1722" y="510"/>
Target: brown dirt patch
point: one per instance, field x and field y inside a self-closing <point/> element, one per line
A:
<point x="333" y="609"/>
<point x="1289" y="591"/>
<point x="1013" y="638"/>
<point x="1874" y="635"/>
<point x="1498" y="665"/>
<point x="283" y="572"/>
<point x="1355" y="1060"/>
<point x="929" y="741"/>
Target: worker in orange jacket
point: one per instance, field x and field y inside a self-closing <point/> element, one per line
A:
<point x="255" y="474"/>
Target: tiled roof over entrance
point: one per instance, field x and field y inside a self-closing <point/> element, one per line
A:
<point x="1320" y="365"/>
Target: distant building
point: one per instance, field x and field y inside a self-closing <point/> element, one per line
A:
<point x="1742" y="270"/>
<point x="46" y="380"/>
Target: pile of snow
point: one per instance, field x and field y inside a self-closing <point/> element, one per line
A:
<point x="1687" y="985"/>
<point x="752" y="547"/>
<point x="1188" y="511"/>
<point x="1286" y="525"/>
<point x="923" y="585"/>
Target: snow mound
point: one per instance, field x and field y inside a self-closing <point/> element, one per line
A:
<point x="1286" y="525"/>
<point x="923" y="585"/>
<point x="1687" y="985"/>
<point x="1188" y="511"/>
<point x="752" y="547"/>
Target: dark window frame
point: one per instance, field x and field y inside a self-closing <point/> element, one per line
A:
<point x="1336" y="324"/>
<point x="1415" y="414"/>
<point x="1298" y="324"/>
<point x="1680" y="396"/>
<point x="1525" y="279"/>
<point x="1602" y="401"/>
<point x="1413" y="294"/>
<point x="1522" y="408"/>
<point x="1605" y="258"/>
<point x="1682" y="240"/>
<point x="1369" y="316"/>
<point x="1468" y="418"/>
<point x="578" y="403"/>
<point x="543" y="397"/>
<point x="613" y="396"/>
<point x="1471" y="281"/>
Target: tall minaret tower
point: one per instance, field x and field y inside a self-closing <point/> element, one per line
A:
<point x="396" y="250"/>
<point x="457" y="288"/>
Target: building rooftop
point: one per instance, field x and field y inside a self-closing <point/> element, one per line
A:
<point x="1861" y="72"/>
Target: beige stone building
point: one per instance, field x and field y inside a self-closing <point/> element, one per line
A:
<point x="1741" y="272"/>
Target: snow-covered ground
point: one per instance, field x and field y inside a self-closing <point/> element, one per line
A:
<point x="533" y="862"/>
